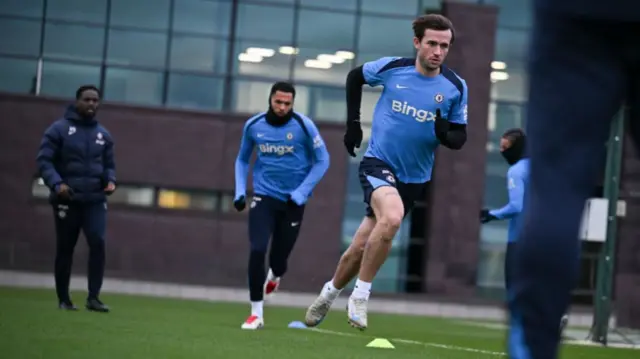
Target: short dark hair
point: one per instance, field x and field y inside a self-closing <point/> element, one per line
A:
<point x="84" y="88"/>
<point x="434" y="22"/>
<point x="283" y="87"/>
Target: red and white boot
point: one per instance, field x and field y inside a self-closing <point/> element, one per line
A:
<point x="253" y="323"/>
<point x="271" y="285"/>
<point x="256" y="319"/>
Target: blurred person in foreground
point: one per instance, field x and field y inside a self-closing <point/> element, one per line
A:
<point x="584" y="64"/>
<point x="513" y="149"/>
<point x="291" y="161"/>
<point x="423" y="106"/>
<point x="76" y="162"/>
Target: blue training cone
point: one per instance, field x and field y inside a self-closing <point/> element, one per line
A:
<point x="297" y="325"/>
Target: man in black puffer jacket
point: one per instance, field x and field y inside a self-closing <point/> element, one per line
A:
<point x="76" y="162"/>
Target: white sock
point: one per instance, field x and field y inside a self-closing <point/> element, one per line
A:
<point x="330" y="290"/>
<point x="256" y="309"/>
<point x="362" y="290"/>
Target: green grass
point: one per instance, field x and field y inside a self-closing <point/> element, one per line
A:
<point x="143" y="327"/>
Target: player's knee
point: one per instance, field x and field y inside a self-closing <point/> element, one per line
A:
<point x="390" y="223"/>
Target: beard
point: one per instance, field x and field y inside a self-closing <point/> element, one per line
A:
<point x="424" y="63"/>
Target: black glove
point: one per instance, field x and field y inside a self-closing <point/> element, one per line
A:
<point x="240" y="203"/>
<point x="441" y="126"/>
<point x="353" y="137"/>
<point x="485" y="216"/>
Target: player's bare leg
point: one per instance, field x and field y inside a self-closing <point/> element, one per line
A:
<point x="347" y="269"/>
<point x="389" y="211"/>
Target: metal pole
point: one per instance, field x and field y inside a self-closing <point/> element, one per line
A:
<point x="606" y="263"/>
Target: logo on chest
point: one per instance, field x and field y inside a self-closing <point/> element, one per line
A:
<point x="275" y="145"/>
<point x="276" y="149"/>
<point x="417" y="114"/>
<point x="99" y="139"/>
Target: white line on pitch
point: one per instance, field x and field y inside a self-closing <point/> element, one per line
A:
<point x="415" y="342"/>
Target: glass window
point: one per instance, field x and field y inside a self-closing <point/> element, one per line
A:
<point x="257" y="58"/>
<point x="324" y="103"/>
<point x="18" y="75"/>
<point x="198" y="54"/>
<point x="262" y="22"/>
<point x="133" y="195"/>
<point x="31" y="8"/>
<point x="24" y="38"/>
<point x="78" y="10"/>
<point x="396" y="7"/>
<point x="510" y="84"/>
<point x="202" y="17"/>
<point x="149" y="14"/>
<point x="326" y="30"/>
<point x="331" y="4"/>
<point x="270" y="1"/>
<point x="252" y="96"/>
<point x="60" y="79"/>
<point x="61" y="42"/>
<point x="435" y="4"/>
<point x="133" y="86"/>
<point x="503" y="116"/>
<point x="392" y="37"/>
<point x="492" y="255"/>
<point x="513" y="13"/>
<point x="187" y="200"/>
<point x="196" y="92"/>
<point x="137" y="48"/>
<point x="511" y="45"/>
<point x="321" y="66"/>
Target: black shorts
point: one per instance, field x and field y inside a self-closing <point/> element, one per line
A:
<point x="375" y="173"/>
<point x="273" y="218"/>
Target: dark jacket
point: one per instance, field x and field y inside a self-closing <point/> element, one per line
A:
<point x="79" y="153"/>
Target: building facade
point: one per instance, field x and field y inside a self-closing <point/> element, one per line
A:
<point x="161" y="60"/>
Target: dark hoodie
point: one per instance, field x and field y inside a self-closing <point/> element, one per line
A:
<point x="78" y="152"/>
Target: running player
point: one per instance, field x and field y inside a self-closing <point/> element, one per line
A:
<point x="292" y="159"/>
<point x="423" y="105"/>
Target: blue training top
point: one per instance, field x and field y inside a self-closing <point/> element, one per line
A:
<point x="291" y="160"/>
<point x="403" y="133"/>
<point x="517" y="179"/>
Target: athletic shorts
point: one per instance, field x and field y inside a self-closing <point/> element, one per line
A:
<point x="375" y="173"/>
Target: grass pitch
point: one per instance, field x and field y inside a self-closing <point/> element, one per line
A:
<point x="142" y="327"/>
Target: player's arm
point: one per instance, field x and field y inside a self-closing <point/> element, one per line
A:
<point x="47" y="154"/>
<point x="355" y="81"/>
<point x="242" y="162"/>
<point x="369" y="73"/>
<point x="109" y="161"/>
<point x="452" y="132"/>
<point x="318" y="169"/>
<point x="515" y="186"/>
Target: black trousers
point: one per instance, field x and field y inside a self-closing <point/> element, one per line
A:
<point x="270" y="218"/>
<point x="69" y="220"/>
